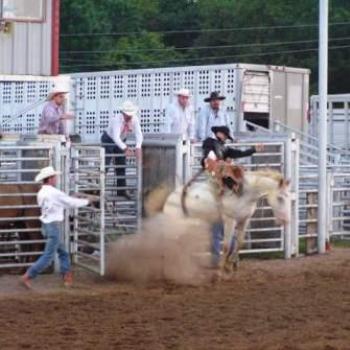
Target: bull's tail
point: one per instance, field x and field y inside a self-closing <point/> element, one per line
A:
<point x="185" y="189"/>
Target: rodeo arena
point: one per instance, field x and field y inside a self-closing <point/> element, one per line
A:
<point x="198" y="207"/>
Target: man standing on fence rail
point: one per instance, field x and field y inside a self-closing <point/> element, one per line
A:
<point x="52" y="203"/>
<point x="212" y="115"/>
<point x="53" y="114"/>
<point x="113" y="140"/>
<point x="180" y="117"/>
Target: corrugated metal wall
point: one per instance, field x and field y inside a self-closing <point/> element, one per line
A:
<point x="26" y="47"/>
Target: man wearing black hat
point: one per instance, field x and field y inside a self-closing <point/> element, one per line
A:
<point x="222" y="152"/>
<point x="212" y="115"/>
<point x="217" y="145"/>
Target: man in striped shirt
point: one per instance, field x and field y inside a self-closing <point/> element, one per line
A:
<point x="53" y="114"/>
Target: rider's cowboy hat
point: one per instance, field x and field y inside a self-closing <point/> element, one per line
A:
<point x="45" y="173"/>
<point x="183" y="92"/>
<point x="129" y="109"/>
<point x="224" y="129"/>
<point x="56" y="91"/>
<point x="215" y="95"/>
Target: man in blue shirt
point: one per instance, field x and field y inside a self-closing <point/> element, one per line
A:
<point x="212" y="115"/>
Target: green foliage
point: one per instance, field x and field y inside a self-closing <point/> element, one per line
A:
<point x="149" y="33"/>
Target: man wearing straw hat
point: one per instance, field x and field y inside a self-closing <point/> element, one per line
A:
<point x="114" y="141"/>
<point x="53" y="114"/>
<point x="180" y="116"/>
<point x="52" y="203"/>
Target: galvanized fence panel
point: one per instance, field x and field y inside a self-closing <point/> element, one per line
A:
<point x="339" y="202"/>
<point x="88" y="177"/>
<point x="21" y="241"/>
<point x="263" y="235"/>
<point x="123" y="210"/>
<point x="117" y="213"/>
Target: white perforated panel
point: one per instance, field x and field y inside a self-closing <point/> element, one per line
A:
<point x="95" y="97"/>
<point x="17" y="96"/>
<point x="152" y="90"/>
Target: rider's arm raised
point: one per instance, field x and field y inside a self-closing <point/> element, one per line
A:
<point x="236" y="153"/>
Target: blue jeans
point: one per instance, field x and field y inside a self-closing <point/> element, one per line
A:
<point x="217" y="237"/>
<point x="112" y="149"/>
<point x="51" y="231"/>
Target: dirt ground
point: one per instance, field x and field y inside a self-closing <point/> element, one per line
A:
<point x="268" y="304"/>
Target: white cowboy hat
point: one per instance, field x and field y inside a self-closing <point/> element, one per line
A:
<point x="183" y="92"/>
<point x="56" y="91"/>
<point x="45" y="173"/>
<point x="129" y="109"/>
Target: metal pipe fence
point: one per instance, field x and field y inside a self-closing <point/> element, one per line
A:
<point x="262" y="234"/>
<point x="88" y="233"/>
<point x="83" y="169"/>
<point x="21" y="241"/>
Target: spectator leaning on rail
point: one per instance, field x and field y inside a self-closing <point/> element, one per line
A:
<point x="52" y="203"/>
<point x="217" y="145"/>
<point x="113" y="140"/>
<point x="180" y="117"/>
<point x="211" y="115"/>
<point x="53" y="114"/>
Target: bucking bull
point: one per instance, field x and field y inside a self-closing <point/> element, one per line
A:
<point x="19" y="212"/>
<point x="211" y="202"/>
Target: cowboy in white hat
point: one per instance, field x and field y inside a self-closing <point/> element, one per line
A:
<point x="179" y="116"/>
<point x="52" y="203"/>
<point x="114" y="141"/>
<point x="212" y="115"/>
<point x="53" y="114"/>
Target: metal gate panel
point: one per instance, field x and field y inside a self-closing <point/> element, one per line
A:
<point x="123" y="215"/>
<point x="21" y="241"/>
<point x="339" y="202"/>
<point x="88" y="176"/>
<point x="262" y="235"/>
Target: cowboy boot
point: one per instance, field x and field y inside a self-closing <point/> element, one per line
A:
<point x="68" y="279"/>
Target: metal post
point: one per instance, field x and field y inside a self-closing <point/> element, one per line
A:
<point x="75" y="178"/>
<point x="322" y="132"/>
<point x="139" y="185"/>
<point x="102" y="212"/>
<point x="294" y="175"/>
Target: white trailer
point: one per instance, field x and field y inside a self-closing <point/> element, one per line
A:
<point x="259" y="94"/>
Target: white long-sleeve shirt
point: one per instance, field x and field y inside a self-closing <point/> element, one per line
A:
<point x="209" y="118"/>
<point x="180" y="120"/>
<point x="115" y="131"/>
<point x="53" y="202"/>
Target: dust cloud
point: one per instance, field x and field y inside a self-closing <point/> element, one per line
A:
<point x="167" y="248"/>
